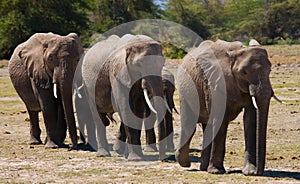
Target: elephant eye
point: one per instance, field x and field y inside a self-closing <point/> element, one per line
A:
<point x="244" y="72"/>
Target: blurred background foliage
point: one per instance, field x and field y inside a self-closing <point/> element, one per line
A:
<point x="268" y="21"/>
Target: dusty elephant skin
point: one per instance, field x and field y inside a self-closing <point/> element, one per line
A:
<point x="118" y="73"/>
<point x="167" y="131"/>
<point x="168" y="90"/>
<point x="41" y="70"/>
<point x="246" y="73"/>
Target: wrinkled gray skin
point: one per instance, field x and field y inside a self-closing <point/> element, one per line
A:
<point x="118" y="66"/>
<point x="246" y="71"/>
<point x="35" y="66"/>
<point x="168" y="91"/>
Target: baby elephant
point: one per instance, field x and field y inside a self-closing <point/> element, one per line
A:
<point x="167" y="132"/>
<point x="41" y="70"/>
<point x="168" y="89"/>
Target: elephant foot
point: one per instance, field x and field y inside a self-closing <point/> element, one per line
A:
<point x="216" y="169"/>
<point x="150" y="148"/>
<point x="134" y="157"/>
<point x="203" y="167"/>
<point x="35" y="141"/>
<point x="182" y="157"/>
<point x="249" y="170"/>
<point x="102" y="153"/>
<point x="51" y="145"/>
<point x="119" y="147"/>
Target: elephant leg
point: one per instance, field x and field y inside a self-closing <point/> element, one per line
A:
<point x="169" y="131"/>
<point x="102" y="143"/>
<point x="150" y="141"/>
<point x="35" y="131"/>
<point x="134" y="142"/>
<point x="91" y="132"/>
<point x="85" y="120"/>
<point x="61" y="123"/>
<point x="150" y="133"/>
<point x="120" y="143"/>
<point x="49" y="109"/>
<point x="162" y="142"/>
<point x="206" y="146"/>
<point x="218" y="149"/>
<point x="81" y="137"/>
<point x="188" y="128"/>
<point x="250" y="141"/>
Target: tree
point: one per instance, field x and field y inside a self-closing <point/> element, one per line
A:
<point x="188" y="13"/>
<point x="110" y="13"/>
<point x="19" y="19"/>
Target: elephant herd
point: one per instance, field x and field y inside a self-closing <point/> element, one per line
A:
<point x="215" y="81"/>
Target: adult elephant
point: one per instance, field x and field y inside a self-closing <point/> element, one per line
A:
<point x="41" y="70"/>
<point x="168" y="91"/>
<point x="121" y="75"/>
<point x="245" y="73"/>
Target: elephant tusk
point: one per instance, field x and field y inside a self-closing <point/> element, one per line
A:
<point x="55" y="90"/>
<point x="77" y="91"/>
<point x="254" y="102"/>
<point x="167" y="106"/>
<point x="176" y="110"/>
<point x="148" y="101"/>
<point x="277" y="99"/>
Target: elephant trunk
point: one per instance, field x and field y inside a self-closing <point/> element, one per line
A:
<point x="153" y="84"/>
<point x="66" y="95"/>
<point x="261" y="101"/>
<point x="261" y="133"/>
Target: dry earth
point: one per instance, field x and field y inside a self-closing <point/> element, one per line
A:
<point x="22" y="163"/>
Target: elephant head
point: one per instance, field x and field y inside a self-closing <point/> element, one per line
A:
<point x="51" y="61"/>
<point x="143" y="61"/>
<point x="251" y="69"/>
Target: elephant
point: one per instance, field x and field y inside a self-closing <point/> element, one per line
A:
<point x="168" y="90"/>
<point x="41" y="70"/>
<point x="237" y="76"/>
<point x="122" y="75"/>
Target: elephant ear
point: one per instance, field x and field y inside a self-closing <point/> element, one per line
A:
<point x="121" y="69"/>
<point x="33" y="56"/>
<point x="233" y="89"/>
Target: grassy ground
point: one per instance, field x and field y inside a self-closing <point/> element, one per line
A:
<point x="21" y="163"/>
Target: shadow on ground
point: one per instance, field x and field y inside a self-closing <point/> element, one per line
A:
<point x="274" y="174"/>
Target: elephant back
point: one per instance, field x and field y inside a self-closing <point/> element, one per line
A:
<point x="96" y="56"/>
